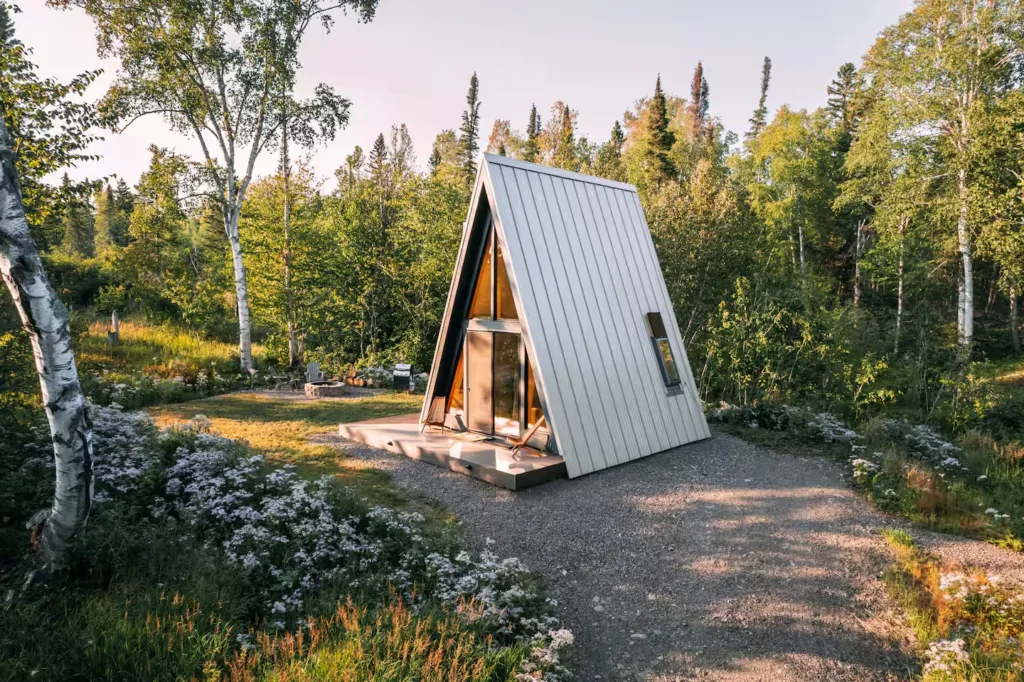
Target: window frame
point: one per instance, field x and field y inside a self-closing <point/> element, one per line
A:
<point x="659" y="333"/>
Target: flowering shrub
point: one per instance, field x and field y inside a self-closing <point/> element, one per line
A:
<point x="945" y="658"/>
<point x="830" y="429"/>
<point x="133" y="390"/>
<point x="291" y="536"/>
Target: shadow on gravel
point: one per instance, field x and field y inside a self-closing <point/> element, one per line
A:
<point x="712" y="561"/>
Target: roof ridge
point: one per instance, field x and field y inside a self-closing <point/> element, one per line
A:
<point x="499" y="160"/>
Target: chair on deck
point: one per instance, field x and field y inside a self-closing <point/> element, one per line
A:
<point x="435" y="414"/>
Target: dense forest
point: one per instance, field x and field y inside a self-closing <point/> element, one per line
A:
<point x="865" y="255"/>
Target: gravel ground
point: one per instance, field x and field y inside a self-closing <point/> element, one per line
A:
<point x="714" y="561"/>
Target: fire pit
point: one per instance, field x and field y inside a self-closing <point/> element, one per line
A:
<point x="325" y="389"/>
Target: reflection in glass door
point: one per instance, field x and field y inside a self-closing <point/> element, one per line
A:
<point x="506" y="384"/>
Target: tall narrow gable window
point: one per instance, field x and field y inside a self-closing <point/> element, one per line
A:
<point x="663" y="351"/>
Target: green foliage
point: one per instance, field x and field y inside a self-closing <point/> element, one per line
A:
<point x="469" y="133"/>
<point x="50" y="125"/>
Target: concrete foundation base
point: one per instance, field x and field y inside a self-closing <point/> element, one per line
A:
<point x="481" y="459"/>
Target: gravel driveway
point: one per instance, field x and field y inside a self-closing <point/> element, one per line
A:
<point x="713" y="561"/>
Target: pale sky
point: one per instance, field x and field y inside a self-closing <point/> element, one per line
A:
<point x="413" y="63"/>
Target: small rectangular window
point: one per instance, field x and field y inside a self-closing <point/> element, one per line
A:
<point x="663" y="350"/>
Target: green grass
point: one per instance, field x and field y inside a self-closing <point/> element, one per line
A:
<point x="155" y="349"/>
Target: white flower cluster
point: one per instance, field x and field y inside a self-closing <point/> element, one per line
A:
<point x="122" y="444"/>
<point x="945" y="657"/>
<point x="292" y="536"/>
<point x="830" y="429"/>
<point x="926" y="443"/>
<point x="863" y="469"/>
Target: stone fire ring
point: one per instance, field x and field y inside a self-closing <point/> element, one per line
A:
<point x="325" y="389"/>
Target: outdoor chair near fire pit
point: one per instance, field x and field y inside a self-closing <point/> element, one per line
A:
<point x="280" y="378"/>
<point x="313" y="373"/>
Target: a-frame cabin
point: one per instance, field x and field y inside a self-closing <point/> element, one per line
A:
<point x="558" y="310"/>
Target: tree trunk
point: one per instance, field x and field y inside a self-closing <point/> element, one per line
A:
<point x="46" y="321"/>
<point x="899" y="288"/>
<point x="856" y="264"/>
<point x="965" y="311"/>
<point x="1014" y="324"/>
<point x="803" y="262"/>
<point x="241" y="292"/>
<point x="114" y="335"/>
<point x="289" y="298"/>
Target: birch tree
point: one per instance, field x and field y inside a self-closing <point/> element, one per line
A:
<point x="221" y="72"/>
<point x="939" y="70"/>
<point x="46" y="321"/>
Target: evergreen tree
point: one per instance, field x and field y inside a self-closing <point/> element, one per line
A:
<point x="531" y="149"/>
<point x="378" y="157"/>
<point x="659" y="136"/>
<point x="608" y="161"/>
<point x="699" y="103"/>
<point x="76" y="223"/>
<point x="470" y="130"/>
<point x="104" y="220"/>
<point x="757" y="122"/>
<point x="559" y="138"/>
<point x="841" y="107"/>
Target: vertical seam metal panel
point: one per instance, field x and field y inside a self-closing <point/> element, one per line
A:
<point x="572" y="445"/>
<point x="637" y="306"/>
<point x="568" y="328"/>
<point x="542" y="352"/>
<point x="682" y="432"/>
<point x="696" y="412"/>
<point x="611" y="328"/>
<point x="612" y="442"/>
<point x="643" y="246"/>
<point x="627" y="309"/>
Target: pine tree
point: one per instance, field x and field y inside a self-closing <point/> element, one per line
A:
<point x="841" y="106"/>
<point x="76" y="224"/>
<point x="757" y="122"/>
<point x="564" y="152"/>
<point x="699" y="103"/>
<point x="531" y="150"/>
<point x="378" y="157"/>
<point x="661" y="139"/>
<point x="608" y="161"/>
<point x="470" y="130"/>
<point x="104" y="223"/>
<point x="124" y="204"/>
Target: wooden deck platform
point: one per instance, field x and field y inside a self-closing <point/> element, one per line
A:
<point x="485" y="460"/>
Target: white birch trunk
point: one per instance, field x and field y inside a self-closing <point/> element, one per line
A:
<point x="241" y="291"/>
<point x="46" y="321"/>
<point x="1014" y="323"/>
<point x="856" y="264"/>
<point x="965" y="312"/>
<point x="803" y="262"/>
<point x="289" y="298"/>
<point x="899" y="288"/>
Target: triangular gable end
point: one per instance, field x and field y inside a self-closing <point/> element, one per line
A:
<point x="594" y="314"/>
<point x="466" y="302"/>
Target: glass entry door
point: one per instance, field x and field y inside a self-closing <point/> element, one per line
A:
<point x="479" y="363"/>
<point x="494" y="369"/>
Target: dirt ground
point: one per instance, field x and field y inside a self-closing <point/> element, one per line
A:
<point x="714" y="561"/>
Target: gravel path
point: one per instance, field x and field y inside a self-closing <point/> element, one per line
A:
<point x="714" y="561"/>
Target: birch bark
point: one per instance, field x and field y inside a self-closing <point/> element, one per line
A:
<point x="46" y="321"/>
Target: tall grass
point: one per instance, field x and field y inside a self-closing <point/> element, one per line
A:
<point x="154" y="349"/>
<point x="968" y="627"/>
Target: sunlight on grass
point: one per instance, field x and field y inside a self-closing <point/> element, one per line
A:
<point x="282" y="427"/>
<point x="143" y="346"/>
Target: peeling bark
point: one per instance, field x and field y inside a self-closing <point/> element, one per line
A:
<point x="899" y="288"/>
<point x="965" y="288"/>
<point x="46" y="321"/>
<point x="1014" y="322"/>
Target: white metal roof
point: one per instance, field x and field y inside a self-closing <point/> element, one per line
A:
<point x="584" y="274"/>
